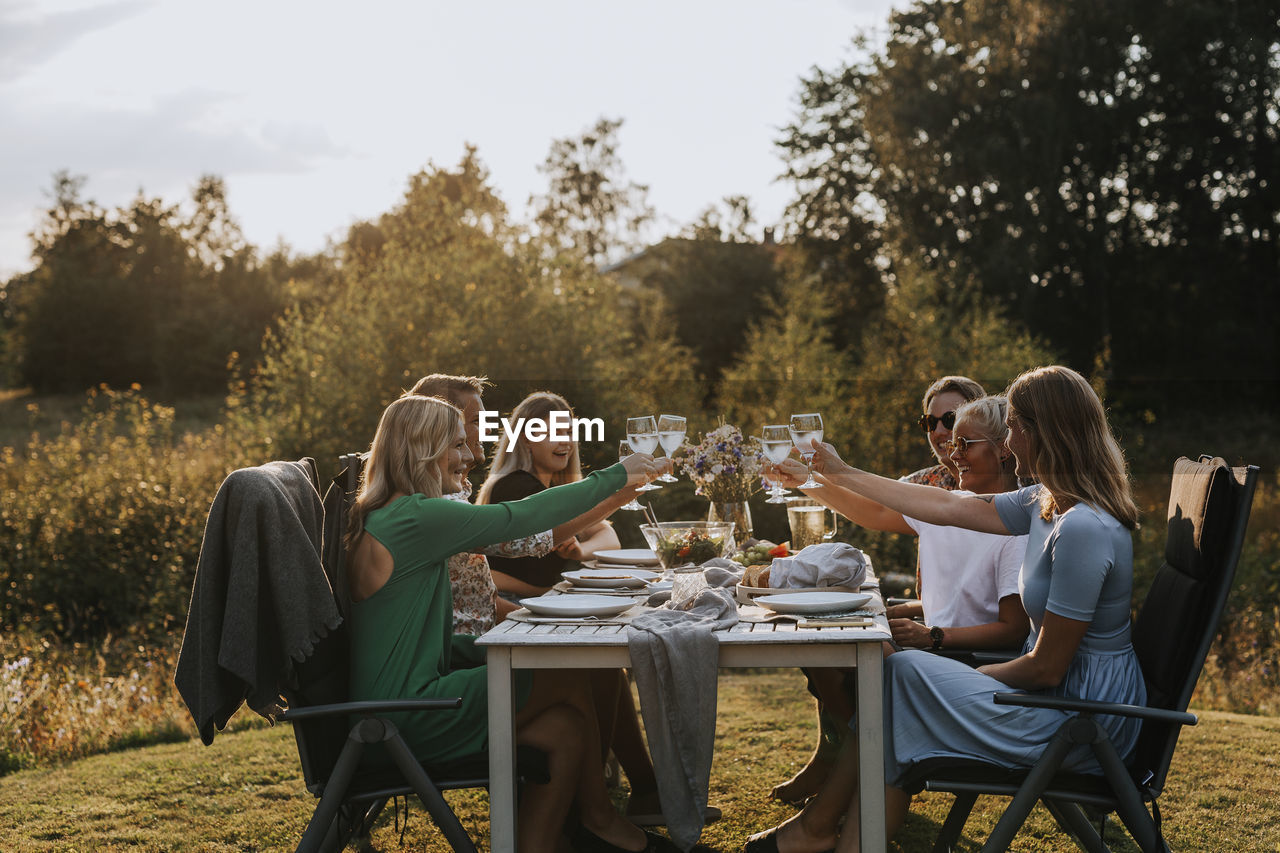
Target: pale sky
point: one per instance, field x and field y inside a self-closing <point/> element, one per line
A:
<point x="316" y="113"/>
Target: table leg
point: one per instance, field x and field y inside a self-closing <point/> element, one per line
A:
<point x="502" y="751"/>
<point x="871" y="745"/>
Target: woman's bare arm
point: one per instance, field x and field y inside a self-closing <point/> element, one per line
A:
<point x="853" y="506"/>
<point x="927" y="503"/>
<point x="1046" y="664"/>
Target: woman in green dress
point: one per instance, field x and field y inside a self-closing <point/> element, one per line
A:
<point x="401" y="536"/>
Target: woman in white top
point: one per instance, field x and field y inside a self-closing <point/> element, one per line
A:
<point x="968" y="579"/>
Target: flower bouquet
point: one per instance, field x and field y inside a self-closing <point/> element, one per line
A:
<point x="726" y="468"/>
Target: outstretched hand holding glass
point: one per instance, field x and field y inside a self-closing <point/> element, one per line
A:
<point x="642" y="435"/>
<point x="806" y="429"/>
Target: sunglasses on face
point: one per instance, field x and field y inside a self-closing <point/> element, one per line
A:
<point x="962" y="444"/>
<point x="929" y="423"/>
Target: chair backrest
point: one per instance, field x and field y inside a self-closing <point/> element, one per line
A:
<point x="1209" y="506"/>
<point x="323" y="678"/>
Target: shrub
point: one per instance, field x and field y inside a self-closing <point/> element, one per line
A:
<point x="100" y="525"/>
<point x="60" y="701"/>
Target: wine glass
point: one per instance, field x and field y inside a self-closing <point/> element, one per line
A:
<point x="642" y="435"/>
<point x="775" y="444"/>
<point x="671" y="432"/>
<point x="804" y="430"/>
<point x="624" y="450"/>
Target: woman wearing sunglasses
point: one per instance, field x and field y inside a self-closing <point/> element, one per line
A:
<point x="941" y="401"/>
<point x="1076" y="583"/>
<point x="968" y="579"/>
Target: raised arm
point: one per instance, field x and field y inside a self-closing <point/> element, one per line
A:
<point x="589" y="522"/>
<point x="462" y="527"/>
<point x="853" y="506"/>
<point x="537" y="545"/>
<point x="936" y="506"/>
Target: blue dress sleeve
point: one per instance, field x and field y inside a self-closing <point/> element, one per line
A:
<point x="1082" y="556"/>
<point x="1017" y="509"/>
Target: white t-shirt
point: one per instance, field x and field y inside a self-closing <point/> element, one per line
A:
<point x="964" y="573"/>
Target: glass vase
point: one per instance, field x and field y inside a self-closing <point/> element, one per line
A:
<point x="739" y="512"/>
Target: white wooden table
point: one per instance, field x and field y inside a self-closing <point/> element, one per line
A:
<point x="522" y="645"/>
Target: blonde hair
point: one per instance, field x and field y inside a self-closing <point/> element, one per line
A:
<point x="412" y="435"/>
<point x="537" y="406"/>
<point x="987" y="415"/>
<point x="1071" y="448"/>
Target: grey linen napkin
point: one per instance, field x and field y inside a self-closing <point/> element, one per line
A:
<point x="674" y="661"/>
<point x="824" y="564"/>
<point x="719" y="573"/>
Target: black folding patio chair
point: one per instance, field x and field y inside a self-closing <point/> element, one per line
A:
<point x="331" y="745"/>
<point x="1209" y="506"/>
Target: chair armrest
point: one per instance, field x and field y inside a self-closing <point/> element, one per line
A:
<point x="976" y="657"/>
<point x="1061" y="703"/>
<point x="369" y="708"/>
<point x="986" y="656"/>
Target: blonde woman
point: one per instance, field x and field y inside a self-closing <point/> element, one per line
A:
<point x="477" y="607"/>
<point x="401" y="534"/>
<point x="529" y="468"/>
<point x="1076" y="585"/>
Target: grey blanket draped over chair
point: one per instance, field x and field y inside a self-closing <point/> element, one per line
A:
<point x="260" y="600"/>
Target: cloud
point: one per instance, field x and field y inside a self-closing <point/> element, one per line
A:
<point x="180" y="137"/>
<point x="27" y="42"/>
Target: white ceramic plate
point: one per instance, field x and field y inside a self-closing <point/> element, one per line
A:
<point x="610" y="578"/>
<point x="814" y="602"/>
<point x="577" y="605"/>
<point x="754" y="591"/>
<point x="628" y="556"/>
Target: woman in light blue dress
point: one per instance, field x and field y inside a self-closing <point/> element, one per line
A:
<point x="1076" y="584"/>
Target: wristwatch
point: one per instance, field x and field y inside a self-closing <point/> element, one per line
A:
<point x="935" y="634"/>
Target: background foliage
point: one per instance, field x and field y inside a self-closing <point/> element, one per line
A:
<point x="989" y="187"/>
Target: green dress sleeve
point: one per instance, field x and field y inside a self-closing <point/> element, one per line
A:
<point x="402" y="641"/>
<point x="454" y="526"/>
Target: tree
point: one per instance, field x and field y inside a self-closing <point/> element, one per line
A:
<point x="733" y="224"/>
<point x="138" y="295"/>
<point x="788" y="362"/>
<point x="444" y="282"/>
<point x="836" y="224"/>
<point x="590" y="208"/>
<point x="1099" y="169"/>
<point x="711" y="291"/>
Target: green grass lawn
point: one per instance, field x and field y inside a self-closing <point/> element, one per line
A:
<point x="245" y="792"/>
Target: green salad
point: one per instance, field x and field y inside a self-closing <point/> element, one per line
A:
<point x="689" y="546"/>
